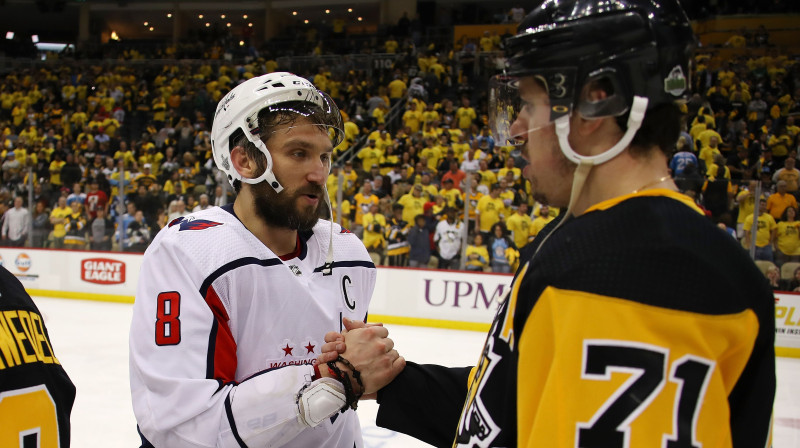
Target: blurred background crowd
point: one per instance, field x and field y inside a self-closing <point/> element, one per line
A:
<point x="103" y="146"/>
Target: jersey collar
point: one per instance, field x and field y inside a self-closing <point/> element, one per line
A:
<point x="301" y="248"/>
<point x="664" y="192"/>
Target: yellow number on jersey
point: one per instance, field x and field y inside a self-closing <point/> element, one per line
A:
<point x="29" y="418"/>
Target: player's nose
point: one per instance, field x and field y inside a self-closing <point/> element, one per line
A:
<point x="318" y="172"/>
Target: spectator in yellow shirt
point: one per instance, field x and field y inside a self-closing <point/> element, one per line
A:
<point x="363" y="200"/>
<point x="412" y="118"/>
<point x="374" y="225"/>
<point x="55" y="171"/>
<point x="787" y="237"/>
<point x="465" y="114"/>
<point x="432" y="155"/>
<point x="509" y="167"/>
<point x="477" y="254"/>
<point x="746" y="200"/>
<point x="379" y="114"/>
<point x="780" y="142"/>
<point x="736" y="41"/>
<point x="429" y="190"/>
<point x="489" y="210"/>
<point x="542" y="220"/>
<point x="790" y="174"/>
<point x="778" y="201"/>
<point x="452" y="196"/>
<point x="413" y="203"/>
<point x="397" y="90"/>
<point x="486" y="43"/>
<point x="765" y="233"/>
<point x="708" y="152"/>
<point x="369" y="155"/>
<point x="520" y="226"/>
<point x="430" y="115"/>
<point x="705" y="137"/>
<point x="58" y="218"/>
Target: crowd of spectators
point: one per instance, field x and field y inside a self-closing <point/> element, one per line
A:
<point x="741" y="137"/>
<point x="116" y="151"/>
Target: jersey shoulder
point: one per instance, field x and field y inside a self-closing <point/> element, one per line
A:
<point x="347" y="247"/>
<point x="12" y="294"/>
<point x="656" y="251"/>
<point x="207" y="239"/>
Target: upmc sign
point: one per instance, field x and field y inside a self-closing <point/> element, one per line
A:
<point x="103" y="271"/>
<point x="458" y="293"/>
<point x="457" y="296"/>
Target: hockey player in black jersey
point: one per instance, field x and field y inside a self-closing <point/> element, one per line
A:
<point x="36" y="395"/>
<point x="632" y="321"/>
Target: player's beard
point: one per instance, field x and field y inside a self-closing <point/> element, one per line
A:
<point x="282" y="209"/>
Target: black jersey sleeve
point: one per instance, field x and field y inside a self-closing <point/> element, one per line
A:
<point x="425" y="402"/>
<point x="34" y="388"/>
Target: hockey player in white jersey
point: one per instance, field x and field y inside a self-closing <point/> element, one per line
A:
<point x="233" y="302"/>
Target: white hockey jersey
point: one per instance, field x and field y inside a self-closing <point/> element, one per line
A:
<point x="225" y="333"/>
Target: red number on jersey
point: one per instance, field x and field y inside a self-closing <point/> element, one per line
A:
<point x="168" y="325"/>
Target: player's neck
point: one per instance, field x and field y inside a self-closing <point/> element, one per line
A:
<point x="279" y="240"/>
<point x="624" y="175"/>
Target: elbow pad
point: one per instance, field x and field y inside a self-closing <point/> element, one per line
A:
<point x="320" y="400"/>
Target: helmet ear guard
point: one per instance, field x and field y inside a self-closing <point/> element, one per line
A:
<point x="267" y="175"/>
<point x="614" y="104"/>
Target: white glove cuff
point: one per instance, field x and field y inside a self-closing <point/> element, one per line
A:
<point x="320" y="400"/>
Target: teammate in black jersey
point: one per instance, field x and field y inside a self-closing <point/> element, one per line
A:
<point x="632" y="321"/>
<point x="36" y="395"/>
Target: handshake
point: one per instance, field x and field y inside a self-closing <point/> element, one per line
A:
<point x="362" y="354"/>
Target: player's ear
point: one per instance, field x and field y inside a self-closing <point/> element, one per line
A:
<point x="593" y="93"/>
<point x="242" y="163"/>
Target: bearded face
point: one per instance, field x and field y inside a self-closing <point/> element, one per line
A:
<point x="287" y="209"/>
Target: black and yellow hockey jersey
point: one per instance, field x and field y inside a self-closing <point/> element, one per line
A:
<point x="36" y="395"/>
<point x="637" y="324"/>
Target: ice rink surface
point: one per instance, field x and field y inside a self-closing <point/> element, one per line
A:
<point x="91" y="341"/>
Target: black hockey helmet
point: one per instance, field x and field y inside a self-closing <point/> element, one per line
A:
<point x="638" y="48"/>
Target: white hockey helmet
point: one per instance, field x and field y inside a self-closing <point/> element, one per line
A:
<point x="237" y="112"/>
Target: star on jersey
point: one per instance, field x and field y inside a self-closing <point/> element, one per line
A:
<point x="309" y="348"/>
<point x="287" y="350"/>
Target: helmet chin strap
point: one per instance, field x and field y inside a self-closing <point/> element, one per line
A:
<point x="267" y="175"/>
<point x="585" y="163"/>
<point x="327" y="268"/>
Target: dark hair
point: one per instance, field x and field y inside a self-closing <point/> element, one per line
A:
<point x="784" y="214"/>
<point x="661" y="127"/>
<point x="502" y="226"/>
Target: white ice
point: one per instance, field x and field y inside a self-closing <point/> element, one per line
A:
<point x="91" y="341"/>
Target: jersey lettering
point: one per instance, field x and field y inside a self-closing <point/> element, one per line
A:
<point x="692" y="375"/>
<point x="23" y="340"/>
<point x="610" y="426"/>
<point x="168" y="324"/>
<point x="647" y="364"/>
<point x="345" y="282"/>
